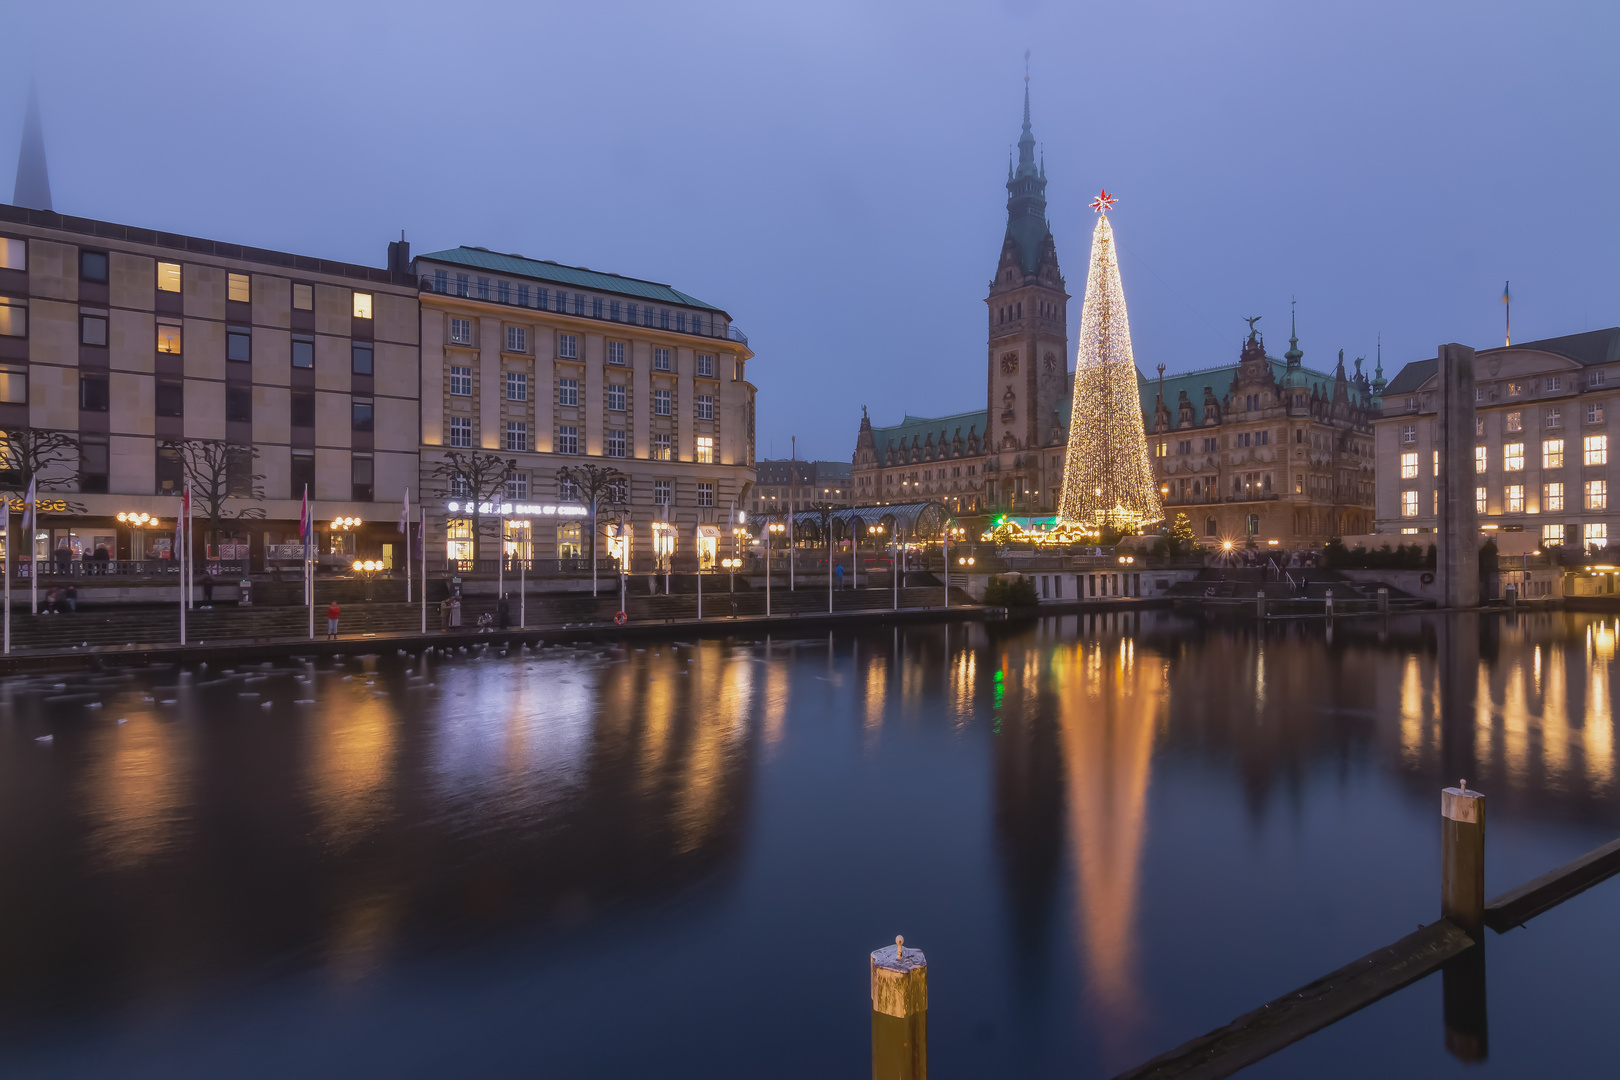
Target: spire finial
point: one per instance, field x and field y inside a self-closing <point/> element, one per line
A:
<point x="33" y="188"/>
<point x="1293" y="355"/>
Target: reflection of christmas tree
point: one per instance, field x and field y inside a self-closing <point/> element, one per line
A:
<point x="1107" y="477"/>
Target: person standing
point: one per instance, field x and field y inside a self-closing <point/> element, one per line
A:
<point x="208" y="590"/>
<point x="332" y="613"/>
<point x="503" y="612"/>
<point x="455" y="612"/>
<point x="71" y="595"/>
<point x="838" y="572"/>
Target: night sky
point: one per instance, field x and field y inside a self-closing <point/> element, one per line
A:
<point x="832" y="174"/>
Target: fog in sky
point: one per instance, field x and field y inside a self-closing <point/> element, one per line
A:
<point x="832" y="173"/>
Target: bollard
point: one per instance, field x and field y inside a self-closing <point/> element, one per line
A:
<point x="1329" y="609"/>
<point x="1383" y="601"/>
<point x="1260" y="604"/>
<point x="899" y="1013"/>
<point x="1462" y="858"/>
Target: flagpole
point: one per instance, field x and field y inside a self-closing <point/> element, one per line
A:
<point x="7" y="558"/>
<point x="421" y="536"/>
<point x="405" y="527"/>
<point x="180" y="562"/>
<point x="30" y="527"/>
<point x="523" y="578"/>
<point x="1507" y="303"/>
<point x="793" y="489"/>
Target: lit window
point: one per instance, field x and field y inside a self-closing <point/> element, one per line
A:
<point x="1437" y="463"/>
<point x="1597" y="449"/>
<point x="1409" y="504"/>
<point x="568" y="392"/>
<point x="168" y="277"/>
<point x="1481" y="500"/>
<point x="1597" y="494"/>
<point x="568" y="346"/>
<point x="1515" y="421"/>
<point x="13" y="254"/>
<point x="615" y="444"/>
<point x="1408" y="532"/>
<point x="517" y="386"/>
<point x="660" y="356"/>
<point x="517" y="435"/>
<point x="1594" y="413"/>
<point x="362" y="305"/>
<point x="168" y="339"/>
<point x="568" y="440"/>
<point x="1408" y="433"/>
<point x="1596" y="534"/>
<point x="1160" y="449"/>
<point x="1552" y="498"/>
<point x="238" y="287"/>
<point x="616" y="352"/>
<point x="1513" y="457"/>
<point x="13" y="317"/>
<point x="1552" y="454"/>
<point x="615" y="396"/>
<point x="14" y="383"/>
<point x="705" y="493"/>
<point x="461" y="431"/>
<point x="705" y="366"/>
<point x="1513" y="499"/>
<point x="660" y="402"/>
<point x="1480" y="459"/>
<point x="303" y="298"/>
<point x="517" y="339"/>
<point x="1479" y="425"/>
<point x="1515" y="389"/>
<point x="705" y="450"/>
<point x="1552" y="536"/>
<point x="705" y="407"/>
<point x="1409" y="466"/>
<point x="1555" y="418"/>
<point x="461" y="331"/>
<point x="460" y="381"/>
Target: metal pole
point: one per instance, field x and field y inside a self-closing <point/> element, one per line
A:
<point x="793" y="491"/>
<point x="767" y="568"/>
<point x="945" y="551"/>
<point x="8" y="572"/>
<point x="404" y="519"/>
<point x="894" y="563"/>
<point x="829" y="566"/>
<point x="500" y="567"/>
<point x="421" y="531"/>
<point x="700" y="583"/>
<point x="523" y="578"/>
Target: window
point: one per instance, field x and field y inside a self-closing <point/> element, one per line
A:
<point x="1594" y="413"/>
<point x="705" y="366"/>
<point x="1552" y="536"/>
<point x="568" y="346"/>
<point x="1409" y="466"/>
<point x="93" y="265"/>
<point x="238" y="287"/>
<point x="615" y="396"/>
<point x="1184" y="446"/>
<point x="362" y="476"/>
<point x="1513" y="499"/>
<point x="93" y="464"/>
<point x="1161" y="448"/>
<point x="168" y="277"/>
<point x="169" y="397"/>
<point x="1480" y="459"/>
<point x="523" y="296"/>
<point x="239" y="404"/>
<point x="1408" y="434"/>
<point x="517" y="485"/>
<point x="517" y="339"/>
<point x="1513" y="457"/>
<point x="1479" y="425"/>
<point x="1555" y="382"/>
<point x="1209" y="526"/>
<point x="1479" y="393"/>
<point x="1437" y="463"/>
<point x="13" y="254"/>
<point x="705" y="493"/>
<point x="1552" y="454"/>
<point x="1596" y="534"/>
<point x="302" y="408"/>
<point x="705" y="407"/>
<point x="517" y="386"/>
<point x="303" y="473"/>
<point x="1597" y="449"/>
<point x="615" y="444"/>
<point x="460" y="381"/>
<point x="568" y="392"/>
<point x="1555" y="418"/>
<point x="616" y="352"/>
<point x="1596" y="379"/>
<point x="92" y="330"/>
<point x="660" y="448"/>
<point x="14" y="384"/>
<point x="663" y="318"/>
<point x="596" y="307"/>
<point x="567" y="440"/>
<point x="170" y="472"/>
<point x="705" y="450"/>
<point x="660" y="402"/>
<point x="168" y="338"/>
<point x="503" y="292"/>
<point x="1597" y="494"/>
<point x="1515" y="421"/>
<point x="567" y="491"/>
<point x="662" y="489"/>
<point x="1409" y="504"/>
<point x="93" y="391"/>
<point x="362" y="305"/>
<point x="461" y="332"/>
<point x="1481" y="500"/>
<point x="441" y="281"/>
<point x="461" y="431"/>
<point x="239" y="344"/>
<point x="1515" y="389"/>
<point x="13" y="317"/>
<point x="361" y="416"/>
<point x="660" y="356"/>
<point x="303" y="352"/>
<point x="630" y="314"/>
<point x="303" y="298"/>
<point x="483" y="288"/>
<point x="1552" y="498"/>
<point x="562" y="301"/>
<point x="517" y="435"/>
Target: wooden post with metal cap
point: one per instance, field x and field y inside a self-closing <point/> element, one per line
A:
<point x="899" y="1013"/>
<point x="1462" y="901"/>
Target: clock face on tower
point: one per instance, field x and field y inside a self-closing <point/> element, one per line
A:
<point x="1009" y="363"/>
<point x="1051" y="362"/>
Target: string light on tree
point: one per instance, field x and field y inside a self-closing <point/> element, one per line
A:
<point x="1107" y="476"/>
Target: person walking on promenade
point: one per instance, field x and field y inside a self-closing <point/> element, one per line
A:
<point x="332" y="613"/>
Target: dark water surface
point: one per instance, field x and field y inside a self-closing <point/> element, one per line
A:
<point x="1108" y="833"/>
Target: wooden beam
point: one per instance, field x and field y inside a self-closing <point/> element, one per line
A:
<point x="1312" y="1007"/>
<point x="1518" y="906"/>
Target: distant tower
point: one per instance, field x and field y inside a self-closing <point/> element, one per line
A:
<point x="33" y="180"/>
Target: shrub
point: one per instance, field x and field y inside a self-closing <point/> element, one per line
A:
<point x="1010" y="592"/>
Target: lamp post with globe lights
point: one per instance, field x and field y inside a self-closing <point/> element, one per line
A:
<point x="367" y="569"/>
<point x="771" y="531"/>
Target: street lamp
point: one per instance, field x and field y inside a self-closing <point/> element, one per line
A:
<point x="367" y="568"/>
<point x="770" y="531"/>
<point x="138" y="522"/>
<point x="965" y="560"/>
<point x="731" y="565"/>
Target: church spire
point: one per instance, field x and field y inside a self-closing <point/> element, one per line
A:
<point x="1293" y="355"/>
<point x="1026" y="195"/>
<point x="33" y="180"/>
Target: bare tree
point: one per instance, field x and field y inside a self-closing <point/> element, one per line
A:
<point x="474" y="480"/>
<point x="219" y="473"/>
<point x="27" y="454"/>
<point x="594" y="487"/>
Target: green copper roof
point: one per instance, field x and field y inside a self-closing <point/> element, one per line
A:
<point x="577" y="276"/>
<point x="1219" y="380"/>
<point x="920" y="427"/>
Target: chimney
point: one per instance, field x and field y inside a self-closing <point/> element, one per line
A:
<point x="399" y="255"/>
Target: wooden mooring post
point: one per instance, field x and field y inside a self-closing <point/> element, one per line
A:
<point x="1462" y="902"/>
<point x="899" y="1013"/>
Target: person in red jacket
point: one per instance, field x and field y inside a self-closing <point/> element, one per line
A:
<point x="332" y="613"/>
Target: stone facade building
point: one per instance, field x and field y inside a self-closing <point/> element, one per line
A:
<point x="784" y="483"/>
<point x="1542" y="453"/>
<point x="548" y="366"/>
<point x="1265" y="448"/>
<point x="1010" y="455"/>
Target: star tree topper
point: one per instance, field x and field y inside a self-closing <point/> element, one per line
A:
<point x="1104" y="202"/>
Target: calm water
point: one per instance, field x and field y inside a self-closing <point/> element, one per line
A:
<point x="1109" y="835"/>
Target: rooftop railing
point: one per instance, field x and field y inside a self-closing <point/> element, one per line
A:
<point x="649" y="317"/>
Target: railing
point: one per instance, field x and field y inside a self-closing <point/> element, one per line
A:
<point x="121" y="568"/>
<point x="692" y="324"/>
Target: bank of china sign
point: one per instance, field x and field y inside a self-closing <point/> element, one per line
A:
<point x="519" y="509"/>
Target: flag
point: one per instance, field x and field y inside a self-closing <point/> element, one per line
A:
<point x="405" y="511"/>
<point x="421" y="528"/>
<point x="303" y="517"/>
<point x="28" y="510"/>
<point x="1505" y="292"/>
<point x="180" y="523"/>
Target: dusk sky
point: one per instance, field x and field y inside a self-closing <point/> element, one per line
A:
<point x="833" y="174"/>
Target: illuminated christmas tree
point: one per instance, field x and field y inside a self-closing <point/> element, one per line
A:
<point x="1107" y="477"/>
